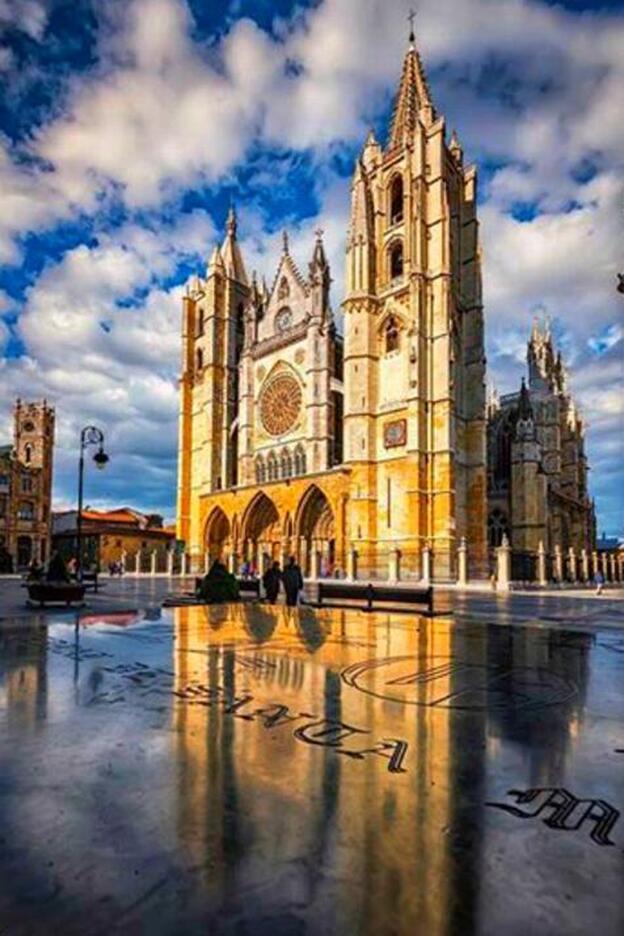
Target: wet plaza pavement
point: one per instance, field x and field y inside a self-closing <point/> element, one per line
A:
<point x="256" y="770"/>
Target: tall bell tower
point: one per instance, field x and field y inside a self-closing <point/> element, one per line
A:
<point x="414" y="346"/>
<point x="213" y="332"/>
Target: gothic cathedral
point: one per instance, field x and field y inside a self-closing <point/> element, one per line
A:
<point x="367" y="449"/>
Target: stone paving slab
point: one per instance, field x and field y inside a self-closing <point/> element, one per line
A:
<point x="262" y="770"/>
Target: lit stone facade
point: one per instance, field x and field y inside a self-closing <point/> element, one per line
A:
<point x="537" y="467"/>
<point x="26" y="486"/>
<point x="291" y="442"/>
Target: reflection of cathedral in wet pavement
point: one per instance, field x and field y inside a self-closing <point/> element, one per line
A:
<point x="249" y="694"/>
<point x="367" y="447"/>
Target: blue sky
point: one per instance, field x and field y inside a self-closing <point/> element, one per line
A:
<point x="128" y="126"/>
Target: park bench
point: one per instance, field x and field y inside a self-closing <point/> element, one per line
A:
<point x="90" y="580"/>
<point x="43" y="593"/>
<point x="399" y="598"/>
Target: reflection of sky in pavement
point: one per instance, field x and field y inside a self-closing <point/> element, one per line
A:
<point x="262" y="770"/>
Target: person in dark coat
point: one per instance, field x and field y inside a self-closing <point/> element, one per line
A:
<point x="293" y="581"/>
<point x="271" y="581"/>
<point x="218" y="586"/>
<point x="57" y="570"/>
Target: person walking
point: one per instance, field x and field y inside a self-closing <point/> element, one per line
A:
<point x="293" y="582"/>
<point x="599" y="581"/>
<point x="271" y="581"/>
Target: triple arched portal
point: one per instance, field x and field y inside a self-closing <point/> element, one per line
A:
<point x="267" y="531"/>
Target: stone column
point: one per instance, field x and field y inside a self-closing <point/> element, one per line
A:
<point x="206" y="562"/>
<point x="314" y="562"/>
<point x="572" y="565"/>
<point x="352" y="564"/>
<point x="503" y="566"/>
<point x="233" y="563"/>
<point x="595" y="566"/>
<point x="426" y="565"/>
<point x="153" y="558"/>
<point x="462" y="562"/>
<point x="584" y="565"/>
<point x="558" y="564"/>
<point x="604" y="565"/>
<point x="613" y="567"/>
<point x="542" y="578"/>
<point x="394" y="565"/>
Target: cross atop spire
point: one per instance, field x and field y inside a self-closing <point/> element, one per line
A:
<point x="411" y="17"/>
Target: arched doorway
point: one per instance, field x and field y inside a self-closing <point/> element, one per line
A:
<point x="316" y="531"/>
<point x="217" y="538"/>
<point x="261" y="532"/>
<point x="24" y="551"/>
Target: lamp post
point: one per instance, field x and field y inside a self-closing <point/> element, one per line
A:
<point x="89" y="436"/>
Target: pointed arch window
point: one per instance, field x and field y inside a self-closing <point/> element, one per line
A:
<point x="199" y="359"/>
<point x="260" y="470"/>
<point x="283" y="290"/>
<point x="200" y="322"/>
<point x="300" y="461"/>
<point x="392" y="337"/>
<point x="285" y="464"/>
<point x="396" y="199"/>
<point x="272" y="467"/>
<point x="395" y="260"/>
<point x="28" y="454"/>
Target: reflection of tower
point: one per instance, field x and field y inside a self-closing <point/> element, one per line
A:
<point x="23" y="676"/>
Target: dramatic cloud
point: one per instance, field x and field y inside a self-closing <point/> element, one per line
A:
<point x="119" y="177"/>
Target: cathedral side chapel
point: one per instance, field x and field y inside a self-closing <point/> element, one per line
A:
<point x="368" y="448"/>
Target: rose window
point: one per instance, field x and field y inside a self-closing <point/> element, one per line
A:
<point x="280" y="404"/>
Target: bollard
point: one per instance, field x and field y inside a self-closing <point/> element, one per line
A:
<point x="584" y="565"/>
<point x="394" y="565"/>
<point x="558" y="564"/>
<point x="462" y="562"/>
<point x="153" y="562"/>
<point x="542" y="578"/>
<point x="426" y="565"/>
<point x="503" y="566"/>
<point x="137" y="563"/>
<point x="352" y="564"/>
<point x="232" y="563"/>
<point x="572" y="565"/>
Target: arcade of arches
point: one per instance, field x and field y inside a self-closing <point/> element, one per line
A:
<point x="304" y="519"/>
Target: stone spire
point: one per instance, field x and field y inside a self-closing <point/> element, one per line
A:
<point x="230" y="252"/>
<point x="319" y="272"/>
<point x="413" y="98"/>
<point x="215" y="264"/>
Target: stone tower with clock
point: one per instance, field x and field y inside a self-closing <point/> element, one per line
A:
<point x="414" y="344"/>
<point x="269" y="388"/>
<point x="26" y="486"/>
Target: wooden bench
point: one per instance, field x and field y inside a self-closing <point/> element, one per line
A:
<point x="90" y="580"/>
<point x="399" y="597"/>
<point x="246" y="586"/>
<point x="44" y="593"/>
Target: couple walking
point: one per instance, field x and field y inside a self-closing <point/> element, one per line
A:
<point x="291" y="578"/>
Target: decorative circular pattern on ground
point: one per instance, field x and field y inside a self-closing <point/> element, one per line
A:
<point x="280" y="404"/>
<point x="448" y="682"/>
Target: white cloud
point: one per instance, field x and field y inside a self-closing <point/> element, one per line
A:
<point x="161" y="112"/>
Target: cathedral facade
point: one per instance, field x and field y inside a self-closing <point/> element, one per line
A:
<point x="537" y="466"/>
<point x="367" y="448"/>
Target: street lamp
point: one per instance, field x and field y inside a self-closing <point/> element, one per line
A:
<point x="89" y="436"/>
